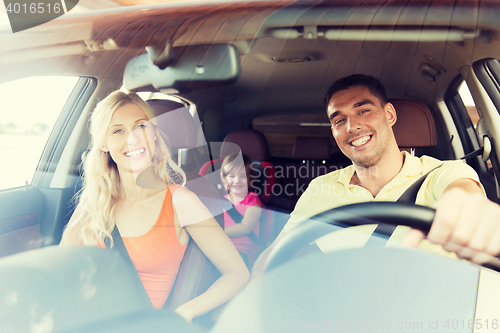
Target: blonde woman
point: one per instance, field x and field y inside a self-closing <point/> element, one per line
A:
<point x="131" y="182"/>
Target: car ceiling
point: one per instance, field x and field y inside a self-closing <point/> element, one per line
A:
<point x="100" y="46"/>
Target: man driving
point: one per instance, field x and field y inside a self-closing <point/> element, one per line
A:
<point x="361" y="120"/>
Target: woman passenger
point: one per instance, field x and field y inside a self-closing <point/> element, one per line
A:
<point x="131" y="182"/>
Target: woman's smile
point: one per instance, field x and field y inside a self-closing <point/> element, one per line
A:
<point x="131" y="139"/>
<point x="135" y="154"/>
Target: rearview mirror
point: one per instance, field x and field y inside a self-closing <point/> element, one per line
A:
<point x="194" y="66"/>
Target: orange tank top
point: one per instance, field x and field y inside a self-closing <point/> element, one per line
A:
<point x="157" y="254"/>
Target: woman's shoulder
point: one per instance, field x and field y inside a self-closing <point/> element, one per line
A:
<point x="189" y="208"/>
<point x="179" y="190"/>
<point x="182" y="195"/>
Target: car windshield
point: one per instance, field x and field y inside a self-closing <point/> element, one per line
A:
<point x="212" y="134"/>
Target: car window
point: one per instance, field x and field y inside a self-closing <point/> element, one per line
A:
<point x="29" y="109"/>
<point x="468" y="101"/>
<point x="466" y="96"/>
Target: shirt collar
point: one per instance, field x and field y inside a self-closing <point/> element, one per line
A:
<point x="346" y="175"/>
<point x="412" y="166"/>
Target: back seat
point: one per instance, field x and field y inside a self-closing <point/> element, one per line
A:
<point x="312" y="157"/>
<point x="415" y="131"/>
<point x="253" y="144"/>
<point x="312" y="154"/>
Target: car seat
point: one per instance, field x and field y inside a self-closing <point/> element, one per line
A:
<point x="415" y="126"/>
<point x="312" y="153"/>
<point x="253" y="144"/>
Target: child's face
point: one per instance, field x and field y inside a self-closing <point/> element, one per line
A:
<point x="236" y="180"/>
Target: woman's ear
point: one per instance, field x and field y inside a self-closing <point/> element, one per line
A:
<point x="104" y="149"/>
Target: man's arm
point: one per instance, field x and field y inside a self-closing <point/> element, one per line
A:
<point x="466" y="223"/>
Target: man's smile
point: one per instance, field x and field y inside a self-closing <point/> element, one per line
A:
<point x="360" y="141"/>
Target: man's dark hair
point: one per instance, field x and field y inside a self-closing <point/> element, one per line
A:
<point x="371" y="83"/>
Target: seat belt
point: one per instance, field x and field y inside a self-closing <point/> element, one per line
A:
<point x="237" y="218"/>
<point x="410" y="197"/>
<point x="383" y="232"/>
<point x="119" y="247"/>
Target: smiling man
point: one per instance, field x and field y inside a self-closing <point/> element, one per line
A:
<point x="362" y="120"/>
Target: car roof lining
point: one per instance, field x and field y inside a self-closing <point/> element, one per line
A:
<point x="287" y="87"/>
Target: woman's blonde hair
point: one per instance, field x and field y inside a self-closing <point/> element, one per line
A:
<point x="101" y="181"/>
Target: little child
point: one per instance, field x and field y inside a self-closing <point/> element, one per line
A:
<point x="241" y="223"/>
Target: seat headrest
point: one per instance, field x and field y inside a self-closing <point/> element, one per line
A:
<point x="415" y="126"/>
<point x="251" y="142"/>
<point x="311" y="148"/>
<point x="176" y="122"/>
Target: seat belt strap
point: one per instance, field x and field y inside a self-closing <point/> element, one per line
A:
<point x="237" y="218"/>
<point x="410" y="195"/>
<point x="383" y="232"/>
<point x="475" y="153"/>
<point x="119" y="247"/>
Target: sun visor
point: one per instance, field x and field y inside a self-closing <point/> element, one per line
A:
<point x="190" y="67"/>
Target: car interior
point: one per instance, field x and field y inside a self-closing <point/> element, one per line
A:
<point x="247" y="76"/>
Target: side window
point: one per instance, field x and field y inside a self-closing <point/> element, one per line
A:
<point x="29" y="109"/>
<point x="466" y="96"/>
<point x="468" y="101"/>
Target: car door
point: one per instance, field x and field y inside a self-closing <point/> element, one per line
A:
<point x="483" y="81"/>
<point x="469" y="131"/>
<point x="37" y="116"/>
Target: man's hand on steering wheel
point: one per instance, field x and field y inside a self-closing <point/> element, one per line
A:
<point x="466" y="223"/>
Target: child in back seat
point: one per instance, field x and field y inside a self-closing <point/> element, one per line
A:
<point x="241" y="222"/>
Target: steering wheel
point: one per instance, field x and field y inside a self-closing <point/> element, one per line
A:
<point x="393" y="213"/>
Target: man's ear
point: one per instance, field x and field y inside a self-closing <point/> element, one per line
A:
<point x="390" y="113"/>
<point x="333" y="133"/>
